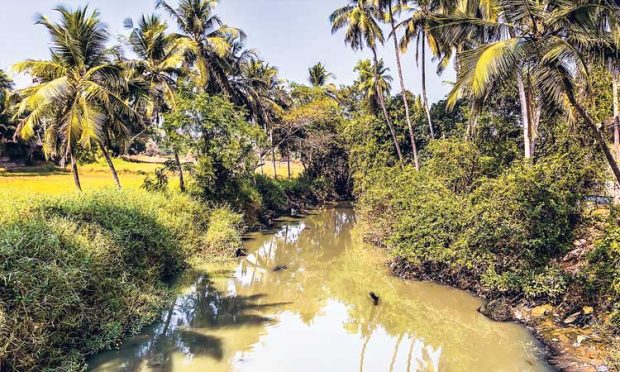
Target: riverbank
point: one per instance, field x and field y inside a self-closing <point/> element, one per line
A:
<point x="80" y="272"/>
<point x="521" y="239"/>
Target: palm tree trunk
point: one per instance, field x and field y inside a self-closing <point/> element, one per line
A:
<point x="108" y="160"/>
<point x="616" y="117"/>
<point x="414" y="147"/>
<point x="177" y="161"/>
<point x="385" y="113"/>
<point x="273" y="154"/>
<point x="600" y="138"/>
<point x="76" y="175"/>
<point x="424" y="96"/>
<point x="524" y="115"/>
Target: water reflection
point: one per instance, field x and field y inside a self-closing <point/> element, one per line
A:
<point x="317" y="315"/>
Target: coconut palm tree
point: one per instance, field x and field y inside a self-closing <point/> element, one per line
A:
<point x="208" y="41"/>
<point x="547" y="43"/>
<point x="486" y="13"/>
<point x="76" y="91"/>
<point x="415" y="27"/>
<point x="390" y="9"/>
<point x="160" y="57"/>
<point x="256" y="85"/>
<point x="6" y="85"/>
<point x="363" y="30"/>
<point x="318" y="76"/>
<point x="373" y="80"/>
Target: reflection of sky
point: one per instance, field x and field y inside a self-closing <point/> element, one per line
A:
<point x="266" y="252"/>
<point x="336" y="349"/>
<point x="291" y="232"/>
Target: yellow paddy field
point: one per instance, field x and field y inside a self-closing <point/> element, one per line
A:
<point x="53" y="180"/>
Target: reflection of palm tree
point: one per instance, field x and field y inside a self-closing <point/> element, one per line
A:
<point x="367" y="329"/>
<point x="410" y="355"/>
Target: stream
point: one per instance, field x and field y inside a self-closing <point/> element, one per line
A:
<point x="317" y="315"/>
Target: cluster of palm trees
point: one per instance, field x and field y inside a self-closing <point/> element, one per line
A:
<point x="89" y="96"/>
<point x="547" y="46"/>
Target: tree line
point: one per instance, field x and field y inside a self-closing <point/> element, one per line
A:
<point x="91" y="95"/>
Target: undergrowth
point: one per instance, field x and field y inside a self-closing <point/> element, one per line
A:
<point x="78" y="273"/>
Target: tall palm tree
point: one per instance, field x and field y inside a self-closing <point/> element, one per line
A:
<point x="548" y="40"/>
<point x="390" y="9"/>
<point x="485" y="14"/>
<point x="416" y="31"/>
<point x="318" y="76"/>
<point x="257" y="85"/>
<point x="363" y="30"/>
<point x="76" y="91"/>
<point x="374" y="80"/>
<point x="160" y="57"/>
<point x="208" y="39"/>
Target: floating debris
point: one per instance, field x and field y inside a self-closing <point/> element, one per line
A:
<point x="375" y="298"/>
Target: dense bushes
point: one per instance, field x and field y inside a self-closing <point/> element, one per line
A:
<point x="604" y="272"/>
<point x="274" y="197"/>
<point x="455" y="224"/>
<point x="77" y="273"/>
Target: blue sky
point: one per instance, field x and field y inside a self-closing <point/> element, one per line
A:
<point x="290" y="34"/>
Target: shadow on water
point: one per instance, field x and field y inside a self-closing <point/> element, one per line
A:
<point x="186" y="326"/>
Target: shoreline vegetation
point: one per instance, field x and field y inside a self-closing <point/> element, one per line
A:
<point x="507" y="188"/>
<point x="81" y="272"/>
<point x="483" y="235"/>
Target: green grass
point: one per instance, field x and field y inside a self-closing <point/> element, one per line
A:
<point x="281" y="169"/>
<point x="47" y="179"/>
<point x="50" y="180"/>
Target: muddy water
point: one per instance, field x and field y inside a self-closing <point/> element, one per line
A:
<point x="316" y="315"/>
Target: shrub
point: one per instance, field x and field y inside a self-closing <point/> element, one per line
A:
<point x="411" y="212"/>
<point x="453" y="223"/>
<point x="458" y="164"/>
<point x="604" y="272"/>
<point x="78" y="273"/>
<point x="223" y="235"/>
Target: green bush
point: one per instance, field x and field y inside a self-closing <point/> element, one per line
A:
<point x="604" y="272"/>
<point x="223" y="235"/>
<point x="458" y="164"/>
<point x="454" y="223"/>
<point x="78" y="273"/>
<point x="411" y="212"/>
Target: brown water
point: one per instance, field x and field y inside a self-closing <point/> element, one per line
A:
<point x="317" y="314"/>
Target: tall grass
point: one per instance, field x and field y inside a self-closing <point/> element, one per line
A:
<point x="80" y="272"/>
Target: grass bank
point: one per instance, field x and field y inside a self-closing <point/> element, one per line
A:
<point x="79" y="272"/>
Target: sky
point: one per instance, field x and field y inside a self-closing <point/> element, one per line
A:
<point x="290" y="34"/>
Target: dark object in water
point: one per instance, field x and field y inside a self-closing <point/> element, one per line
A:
<point x="375" y="298"/>
<point x="241" y="252"/>
<point x="280" y="268"/>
